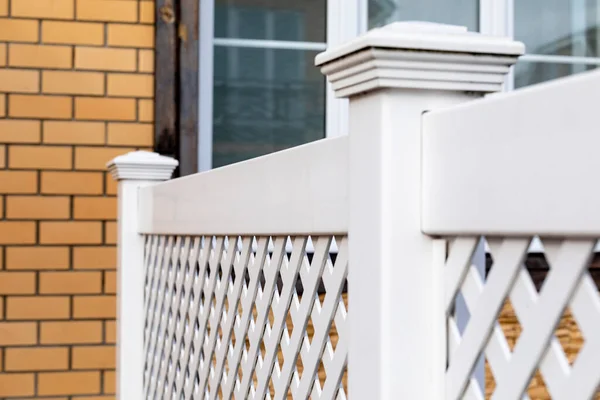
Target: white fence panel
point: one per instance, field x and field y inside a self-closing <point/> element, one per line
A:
<point x="567" y="285"/>
<point x="226" y="318"/>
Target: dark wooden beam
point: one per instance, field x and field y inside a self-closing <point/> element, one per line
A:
<point x="166" y="139"/>
<point x="188" y="32"/>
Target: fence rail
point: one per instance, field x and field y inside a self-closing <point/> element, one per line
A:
<point x="296" y="191"/>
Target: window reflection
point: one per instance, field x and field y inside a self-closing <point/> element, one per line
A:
<point x="558" y="27"/>
<point x="297" y="20"/>
<point x="265" y="100"/>
<point x="455" y="12"/>
<point x="529" y="73"/>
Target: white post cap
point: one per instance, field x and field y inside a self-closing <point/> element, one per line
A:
<point x="420" y="55"/>
<point x="142" y="165"/>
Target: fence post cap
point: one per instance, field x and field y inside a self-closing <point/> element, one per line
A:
<point x="420" y="55"/>
<point x="142" y="165"/>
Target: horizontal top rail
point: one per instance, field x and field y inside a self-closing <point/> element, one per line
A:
<point x="521" y="164"/>
<point x="299" y="191"/>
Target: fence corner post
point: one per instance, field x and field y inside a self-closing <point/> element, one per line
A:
<point x="132" y="171"/>
<point x="392" y="75"/>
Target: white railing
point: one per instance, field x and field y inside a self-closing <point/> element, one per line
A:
<point x="232" y="282"/>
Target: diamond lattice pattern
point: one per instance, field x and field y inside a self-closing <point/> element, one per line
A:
<point x="245" y="317"/>
<point x="536" y="356"/>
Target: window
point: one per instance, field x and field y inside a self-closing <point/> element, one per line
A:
<point x="260" y="91"/>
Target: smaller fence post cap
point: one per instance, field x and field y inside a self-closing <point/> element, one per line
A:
<point x="142" y="165"/>
<point x="420" y="55"/>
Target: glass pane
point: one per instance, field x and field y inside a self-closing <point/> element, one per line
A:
<point x="455" y="12"/>
<point x="529" y="73"/>
<point x="561" y="27"/>
<point x="265" y="100"/>
<point x="295" y="20"/>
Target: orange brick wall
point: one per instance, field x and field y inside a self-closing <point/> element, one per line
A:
<point x="76" y="88"/>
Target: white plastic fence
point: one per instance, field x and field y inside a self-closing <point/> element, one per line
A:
<point x="224" y="318"/>
<point x="232" y="283"/>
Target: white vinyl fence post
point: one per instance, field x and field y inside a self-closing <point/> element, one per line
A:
<point x="392" y="75"/>
<point x="132" y="170"/>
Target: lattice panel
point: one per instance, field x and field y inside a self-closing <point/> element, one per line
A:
<point x="245" y="317"/>
<point x="537" y="356"/>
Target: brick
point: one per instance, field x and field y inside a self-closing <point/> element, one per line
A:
<point x="17" y="385"/>
<point x="37" y="307"/>
<point x="95" y="108"/>
<point x="17" y="283"/>
<point x="1" y="315"/>
<point x="109" y="382"/>
<point x="147" y="12"/>
<point x="36" y="207"/>
<point x="2" y="50"/>
<point x="130" y="134"/>
<point x="18" y="30"/>
<point x="68" y="383"/>
<point x="19" y="81"/>
<point x="72" y="32"/>
<point x="40" y="157"/>
<point x="17" y="232"/>
<point x="146" y="60"/>
<point x="70" y="182"/>
<point x="3" y="8"/>
<point x="110" y="184"/>
<point x="73" y="132"/>
<point x="110" y="331"/>
<point x="95" y="158"/>
<point x="71" y="232"/>
<point x="130" y="85"/>
<point x="71" y="82"/>
<point x="40" y="56"/>
<point x="94" y="357"/>
<point x="39" y="106"/>
<point x="127" y="35"/>
<point x="110" y="233"/>
<point x="96" y="257"/>
<point x="145" y="110"/>
<point x="18" y="333"/>
<point x="19" y="131"/>
<point x="70" y="282"/>
<point x="18" y="182"/>
<point x="107" y="10"/>
<point x="37" y="359"/>
<point x="94" y="307"/>
<point x="2" y="156"/>
<point x="46" y="9"/>
<point x="110" y="282"/>
<point x="71" y="332"/>
<point x="105" y="59"/>
<point x="2" y="105"/>
<point x="95" y="208"/>
<point x="34" y="258"/>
